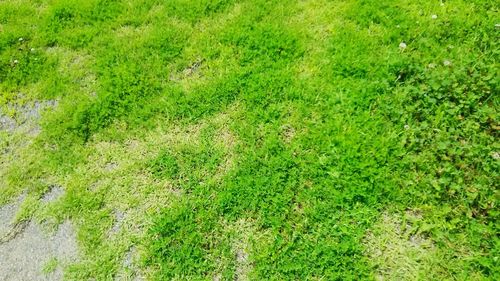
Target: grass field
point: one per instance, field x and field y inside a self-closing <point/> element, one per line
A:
<point x="257" y="140"/>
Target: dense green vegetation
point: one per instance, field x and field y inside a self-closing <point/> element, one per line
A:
<point x="252" y="139"/>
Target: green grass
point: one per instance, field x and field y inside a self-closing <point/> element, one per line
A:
<point x="50" y="266"/>
<point x="252" y="139"/>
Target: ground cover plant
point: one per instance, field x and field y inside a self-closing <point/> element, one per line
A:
<point x="256" y="140"/>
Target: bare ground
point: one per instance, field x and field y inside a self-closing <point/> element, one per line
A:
<point x="27" y="252"/>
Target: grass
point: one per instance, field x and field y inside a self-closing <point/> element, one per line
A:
<point x="50" y="266"/>
<point x="256" y="139"/>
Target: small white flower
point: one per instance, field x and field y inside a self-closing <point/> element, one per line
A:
<point x="434" y="17"/>
<point x="16" y="61"/>
<point x="447" y="63"/>
<point x="407" y="127"/>
<point x="32" y="49"/>
<point x="402" y="45"/>
<point x="431" y="65"/>
<point x="495" y="155"/>
<point x="497" y="25"/>
<point x="21" y="39"/>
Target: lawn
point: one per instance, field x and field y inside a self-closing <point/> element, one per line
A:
<point x="256" y="139"/>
